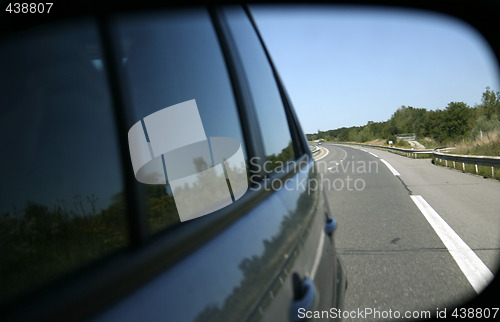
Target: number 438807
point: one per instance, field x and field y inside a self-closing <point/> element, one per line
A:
<point x="26" y="7"/>
<point x="475" y="313"/>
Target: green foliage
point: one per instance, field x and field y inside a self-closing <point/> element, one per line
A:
<point x="485" y="125"/>
<point x="408" y="120"/>
<point x="287" y="154"/>
<point x="456" y="122"/>
<point x="435" y="125"/>
<point x="402" y="144"/>
<point x="391" y="138"/>
<point x="490" y="104"/>
<point x="41" y="243"/>
<point x="161" y="209"/>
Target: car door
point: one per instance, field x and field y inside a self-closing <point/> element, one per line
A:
<point x="247" y="269"/>
<point x="209" y="207"/>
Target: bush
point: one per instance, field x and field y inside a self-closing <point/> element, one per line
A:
<point x="402" y="144"/>
<point x="489" y="145"/>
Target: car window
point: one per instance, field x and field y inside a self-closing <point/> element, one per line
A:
<point x="186" y="145"/>
<point x="61" y="193"/>
<point x="264" y="91"/>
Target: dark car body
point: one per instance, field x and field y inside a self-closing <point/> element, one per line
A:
<point x="266" y="255"/>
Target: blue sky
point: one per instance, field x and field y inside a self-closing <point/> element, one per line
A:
<point x="344" y="67"/>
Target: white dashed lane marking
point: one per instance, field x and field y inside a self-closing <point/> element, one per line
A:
<point x="391" y="168"/>
<point x="476" y="272"/>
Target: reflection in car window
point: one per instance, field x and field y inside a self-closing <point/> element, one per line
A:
<point x="61" y="200"/>
<point x="264" y="90"/>
<point x="185" y="113"/>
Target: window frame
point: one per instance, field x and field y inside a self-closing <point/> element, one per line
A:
<point x="220" y="219"/>
<point x="298" y="138"/>
<point x="246" y="106"/>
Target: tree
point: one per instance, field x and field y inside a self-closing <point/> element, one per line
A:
<point x="457" y="119"/>
<point x="490" y="104"/>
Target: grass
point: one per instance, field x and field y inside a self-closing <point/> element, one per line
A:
<point x="413" y="155"/>
<point x="402" y="144"/>
<point x="484" y="171"/>
<point x="409" y="154"/>
<point x="397" y="144"/>
<point x="377" y="142"/>
<point x="429" y="143"/>
<point x="489" y="145"/>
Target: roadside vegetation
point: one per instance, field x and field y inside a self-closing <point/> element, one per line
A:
<point x="40" y="243"/>
<point x="488" y="144"/>
<point x="473" y="130"/>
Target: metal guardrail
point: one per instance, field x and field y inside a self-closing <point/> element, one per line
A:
<point x="470" y="159"/>
<point x="314" y="149"/>
<point x="493" y="162"/>
<point x="427" y="151"/>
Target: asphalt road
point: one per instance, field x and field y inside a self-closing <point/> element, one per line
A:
<point x="395" y="259"/>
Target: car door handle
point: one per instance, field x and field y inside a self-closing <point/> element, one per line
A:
<point x="304" y="297"/>
<point x="330" y="226"/>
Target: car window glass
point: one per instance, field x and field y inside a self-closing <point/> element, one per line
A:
<point x="264" y="90"/>
<point x="186" y="145"/>
<point x="61" y="200"/>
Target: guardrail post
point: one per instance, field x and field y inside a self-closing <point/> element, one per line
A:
<point x="473" y="160"/>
